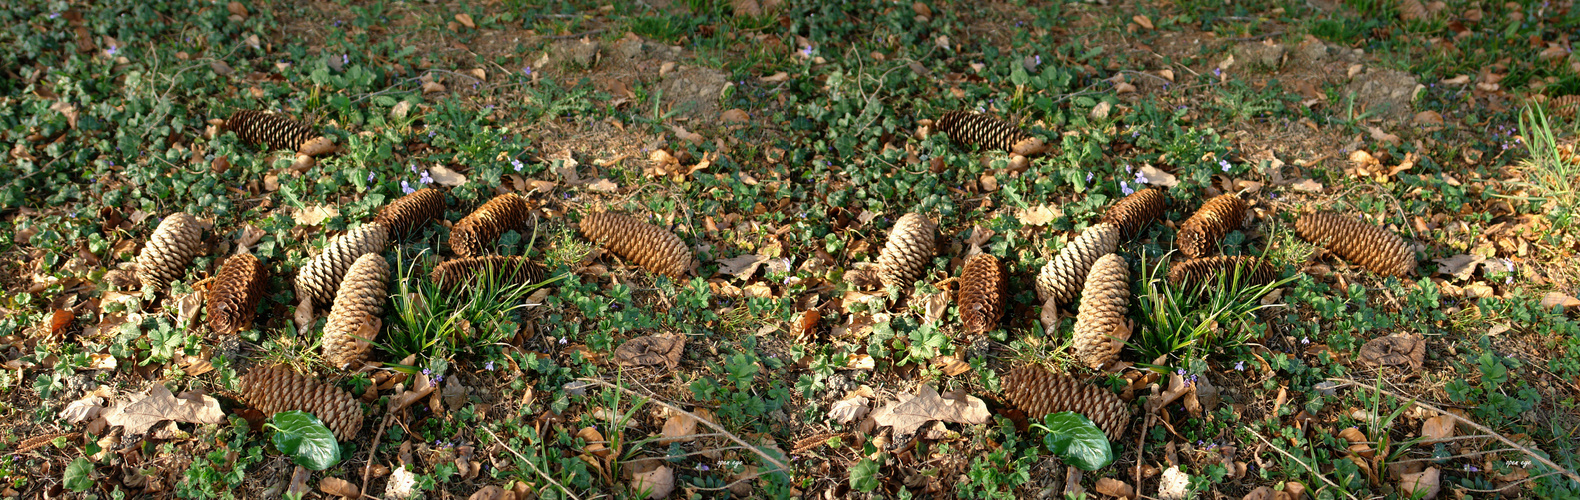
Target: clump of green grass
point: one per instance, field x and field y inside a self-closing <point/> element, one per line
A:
<point x="1547" y="170"/>
<point x="433" y="323"/>
<point x="1190" y="323"/>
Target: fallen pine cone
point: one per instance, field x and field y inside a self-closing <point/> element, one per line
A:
<point x="983" y="287"/>
<point x="1062" y="277"/>
<point x="358" y="302"/>
<point x="1039" y="392"/>
<point x="273" y="389"/>
<point x="320" y="278"/>
<point x="277" y="132"/>
<point x="908" y="251"/>
<point x="654" y="248"/>
<point x="456" y="273"/>
<point x="411" y="211"/>
<point x="1104" y="301"/>
<point x="1134" y="212"/>
<point x="170" y="250"/>
<point x="1200" y="234"/>
<point x="481" y="229"/>
<point x="233" y="299"/>
<point x="977" y="129"/>
<point x="1372" y="247"/>
<point x="1196" y="273"/>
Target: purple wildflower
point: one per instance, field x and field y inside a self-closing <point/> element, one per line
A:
<point x="1124" y="187"/>
<point x="425" y="178"/>
<point x="1224" y="164"/>
<point x="371" y="176"/>
<point x="1239" y="366"/>
<point x="516" y="163"/>
<point x="406" y="188"/>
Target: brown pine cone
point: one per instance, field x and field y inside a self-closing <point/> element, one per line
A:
<point x="1564" y="106"/>
<point x="360" y="300"/>
<point x="1134" y="212"/>
<point x="477" y="233"/>
<point x="983" y="287"/>
<point x="273" y="389"/>
<point x="233" y="299"/>
<point x="170" y="250"/>
<point x="1196" y="273"/>
<point x="908" y="252"/>
<point x="982" y="130"/>
<point x="1372" y="247"/>
<point x="410" y="212"/>
<point x="1038" y="393"/>
<point x="1200" y="234"/>
<point x="1062" y="277"/>
<point x="1104" y="301"/>
<point x="457" y="273"/>
<point x="277" y="132"/>
<point x="320" y="278"/>
<point x="654" y="248"/>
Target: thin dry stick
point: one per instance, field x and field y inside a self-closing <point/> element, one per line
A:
<point x="1528" y="451"/>
<point x="704" y="421"/>
<point x="1302" y="464"/>
<point x="529" y="463"/>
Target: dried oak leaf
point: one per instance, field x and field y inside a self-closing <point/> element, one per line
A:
<point x="908" y="415"/>
<point x="158" y="405"/>
<point x="651" y="350"/>
<point x="1393" y="350"/>
<point x="657" y="483"/>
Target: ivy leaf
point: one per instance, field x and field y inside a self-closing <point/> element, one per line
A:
<point x="305" y="439"/>
<point x="864" y="476"/>
<point x="1077" y="441"/>
<point x="79" y="475"/>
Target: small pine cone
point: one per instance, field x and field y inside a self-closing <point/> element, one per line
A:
<point x="908" y="251"/>
<point x="478" y="231"/>
<point x="983" y="287"/>
<point x="1195" y="273"/>
<point x="982" y="130"/>
<point x="170" y="250"/>
<point x="234" y="297"/>
<point x="277" y="132"/>
<point x="411" y="211"/>
<point x="320" y="278"/>
<point x="359" y="301"/>
<point x="1062" y="277"/>
<point x="1134" y="212"/>
<point x="1104" y="301"/>
<point x="1564" y="106"/>
<point x="1373" y="247"/>
<point x="1200" y="234"/>
<point x="505" y="270"/>
<point x="1039" y="392"/>
<point x="654" y="248"/>
<point x="273" y="389"/>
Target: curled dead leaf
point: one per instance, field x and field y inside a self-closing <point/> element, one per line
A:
<point x="1407" y="349"/>
<point x="651" y="350"/>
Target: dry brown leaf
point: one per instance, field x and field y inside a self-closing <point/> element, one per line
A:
<point x="694" y="138"/>
<point x="776" y="77"/>
<point x="1143" y="21"/>
<point x="603" y="186"/>
<point x="1423" y="485"/>
<point x="927" y="405"/>
<point x="1379" y="134"/>
<point x="935" y="305"/>
<point x="83" y="410"/>
<point x="951" y="365"/>
<point x="1559" y="299"/>
<point x="849" y="410"/>
<point x="158" y="405"/>
<point x="735" y="115"/>
<point x="419" y="390"/>
<point x="1394" y="350"/>
<point x="1260" y="493"/>
<point x="335" y="486"/>
<point x="465" y="20"/>
<point x="443" y="176"/>
<point x="187" y="307"/>
<point x="1437" y="428"/>
<point x="658" y="483"/>
<point x="1459" y="266"/>
<point x="1157" y="177"/>
<point x="741" y="266"/>
<point x="678" y="429"/>
<point x="651" y="350"/>
<point x="1115" y="488"/>
<point x="314" y="215"/>
<point x="595" y="442"/>
<point x="1038" y="215"/>
<point x="65" y="108"/>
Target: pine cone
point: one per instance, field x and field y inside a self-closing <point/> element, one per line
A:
<point x="908" y="252"/>
<point x="410" y="212"/>
<point x="1196" y="273"/>
<point x="505" y="270"/>
<point x="273" y="389"/>
<point x="1200" y="234"/>
<point x="359" y="301"/>
<point x="234" y="297"/>
<point x="971" y="128"/>
<point x="1062" y="277"/>
<point x="983" y="288"/>
<point x="1134" y="212"/>
<point x="277" y="132"/>
<point x="1104" y="301"/>
<point x="1373" y="247"/>
<point x="170" y="250"/>
<point x="1564" y="106"/>
<point x="320" y="278"/>
<point x="1038" y="393"/>
<point x="478" y="232"/>
<point x="652" y="247"/>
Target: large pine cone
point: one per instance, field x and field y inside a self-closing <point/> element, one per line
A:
<point x="1104" y="301"/>
<point x="1200" y="234"/>
<point x="170" y="250"/>
<point x="320" y="278"/>
<point x="908" y="252"/>
<point x="233" y="299"/>
<point x="971" y="128"/>
<point x="1564" y="106"/>
<point x="1133" y="212"/>
<point x="654" y="248"/>
<point x="277" y="132"/>
<point x="410" y="212"/>
<point x="1038" y="393"/>
<point x="457" y="273"/>
<point x="273" y="389"/>
<point x="1195" y="273"/>
<point x="983" y="287"/>
<point x="1373" y="247"/>
<point x="359" y="301"/>
<point x="1062" y="277"/>
<point x="480" y="230"/>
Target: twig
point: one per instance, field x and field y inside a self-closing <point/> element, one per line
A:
<point x="1302" y="464"/>
<point x="1462" y="455"/>
<point x="372" y="453"/>
<point x="704" y="421"/>
<point x="1528" y="451"/>
<point x="529" y="463"/>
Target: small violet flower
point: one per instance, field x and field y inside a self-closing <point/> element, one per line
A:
<point x="112" y="50"/>
<point x="371" y="176"/>
<point x="807" y="51"/>
<point x="527" y="71"/>
<point x="1224" y="164"/>
<point x="489" y="366"/>
<point x="345" y="59"/>
<point x="54" y="15"/>
<point x="563" y="340"/>
<point x="425" y="178"/>
<point x="1239" y="366"/>
<point x="1088" y="177"/>
<point x="1124" y="187"/>
<point x="1305" y="340"/>
<point x="516" y="164"/>
<point x="703" y="467"/>
<point x="406" y="188"/>
<point x="413" y="166"/>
